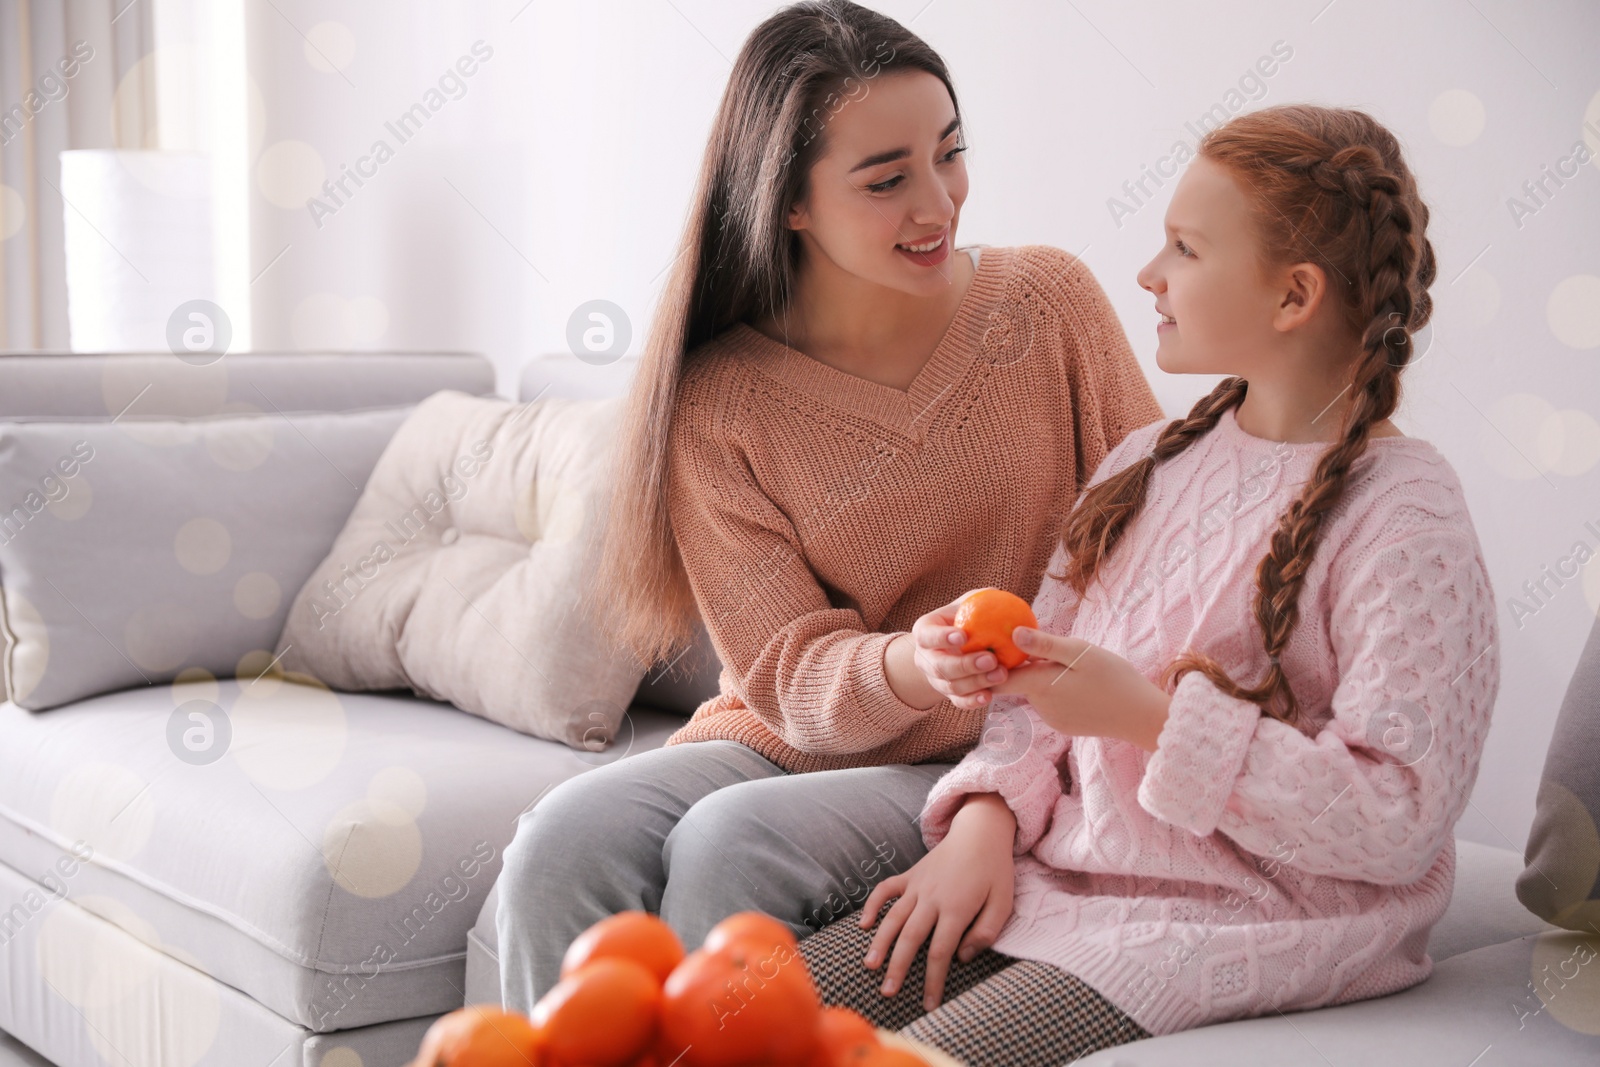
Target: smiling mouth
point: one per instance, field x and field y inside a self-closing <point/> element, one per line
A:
<point x="1168" y="320"/>
<point x="928" y="246"/>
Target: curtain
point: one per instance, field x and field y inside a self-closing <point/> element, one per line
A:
<point x="73" y="74"/>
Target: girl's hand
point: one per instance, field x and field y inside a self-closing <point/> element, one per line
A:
<point x="968" y="874"/>
<point x="962" y="678"/>
<point x="1083" y="690"/>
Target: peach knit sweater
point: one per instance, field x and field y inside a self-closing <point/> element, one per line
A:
<point x="1246" y="866"/>
<point x="818" y="513"/>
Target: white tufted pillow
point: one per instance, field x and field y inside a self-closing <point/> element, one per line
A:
<point x="463" y="571"/>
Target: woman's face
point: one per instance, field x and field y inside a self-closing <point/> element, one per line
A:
<point x="886" y="194"/>
<point x="1208" y="278"/>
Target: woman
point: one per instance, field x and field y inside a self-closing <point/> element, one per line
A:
<point x="840" y="423"/>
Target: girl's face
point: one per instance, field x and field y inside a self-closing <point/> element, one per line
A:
<point x="1208" y="279"/>
<point x="885" y="197"/>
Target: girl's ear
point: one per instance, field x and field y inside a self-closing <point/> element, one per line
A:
<point x="1305" y="287"/>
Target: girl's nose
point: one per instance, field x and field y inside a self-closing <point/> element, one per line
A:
<point x="1147" y="278"/>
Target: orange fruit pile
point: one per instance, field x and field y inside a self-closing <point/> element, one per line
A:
<point x="630" y="997"/>
<point x="988" y="616"/>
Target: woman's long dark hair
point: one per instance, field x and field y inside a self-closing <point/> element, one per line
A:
<point x="737" y="262"/>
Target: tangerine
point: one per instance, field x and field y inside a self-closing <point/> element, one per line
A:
<point x="757" y="928"/>
<point x="884" y="1056"/>
<point x="607" y="1013"/>
<point x="988" y="617"/>
<point x="844" y="1035"/>
<point x="629" y="935"/>
<point x="740" y="1005"/>
<point x="480" y="1035"/>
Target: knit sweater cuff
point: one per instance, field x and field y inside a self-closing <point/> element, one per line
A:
<point x="1199" y="755"/>
<point x="873" y="708"/>
<point x="1029" y="790"/>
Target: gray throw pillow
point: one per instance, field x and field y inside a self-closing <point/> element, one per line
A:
<point x="134" y="550"/>
<point x="1562" y="882"/>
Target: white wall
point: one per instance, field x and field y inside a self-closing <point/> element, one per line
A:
<point x="563" y="172"/>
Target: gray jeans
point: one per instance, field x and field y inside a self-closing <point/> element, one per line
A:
<point x="695" y="833"/>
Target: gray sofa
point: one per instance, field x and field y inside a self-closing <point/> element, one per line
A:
<point x="207" y="926"/>
<point x="157" y="912"/>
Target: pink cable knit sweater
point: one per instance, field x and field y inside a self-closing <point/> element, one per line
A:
<point x="1247" y="866"/>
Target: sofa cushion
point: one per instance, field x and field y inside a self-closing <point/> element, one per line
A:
<point x="325" y="853"/>
<point x="131" y="551"/>
<point x="1562" y="881"/>
<point x="90" y="994"/>
<point x="563" y="374"/>
<point x="86" y="993"/>
<point x="1483" y="909"/>
<point x="681" y="684"/>
<point x="1504" y="1004"/>
<point x="464" y="570"/>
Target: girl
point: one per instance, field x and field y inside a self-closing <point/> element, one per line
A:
<point x="1265" y="664"/>
<point x="820" y="448"/>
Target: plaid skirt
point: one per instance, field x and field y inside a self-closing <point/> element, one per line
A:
<point x="998" y="1011"/>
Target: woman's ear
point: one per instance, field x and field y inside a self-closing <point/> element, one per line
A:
<point x="799" y="217"/>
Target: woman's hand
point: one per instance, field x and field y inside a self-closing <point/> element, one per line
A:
<point x="1083" y="690"/>
<point x="968" y="874"/>
<point x="962" y="678"/>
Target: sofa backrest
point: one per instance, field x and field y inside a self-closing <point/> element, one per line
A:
<point x="103" y="386"/>
<point x="100" y="387"/>
<point x="45" y="386"/>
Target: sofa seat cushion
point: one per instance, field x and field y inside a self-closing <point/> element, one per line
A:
<point x="1484" y="909"/>
<point x="1480" y="1007"/>
<point x="324" y="852"/>
<point x="101" y="997"/>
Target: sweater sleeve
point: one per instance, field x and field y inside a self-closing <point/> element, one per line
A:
<point x="1109" y="391"/>
<point x="1018" y="754"/>
<point x="1375" y="793"/>
<point x="812" y="673"/>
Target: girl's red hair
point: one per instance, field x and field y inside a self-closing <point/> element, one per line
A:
<point x="1327" y="186"/>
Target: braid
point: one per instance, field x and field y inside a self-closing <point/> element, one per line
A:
<point x="1097" y="523"/>
<point x="1393" y="266"/>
